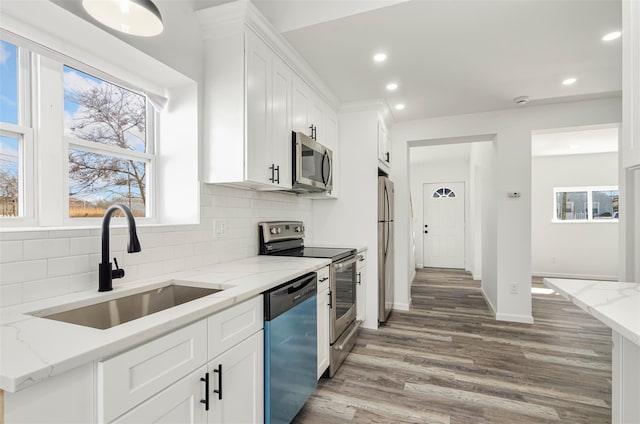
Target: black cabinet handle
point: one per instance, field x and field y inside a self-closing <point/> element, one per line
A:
<point x="426" y="226"/>
<point x="277" y="181"/>
<point x="219" y="391"/>
<point x="388" y="155"/>
<point x="359" y="278"/>
<point x="206" y="391"/>
<point x="425" y="231"/>
<point x="330" y="300"/>
<point x="272" y="168"/>
<point x="324" y="279"/>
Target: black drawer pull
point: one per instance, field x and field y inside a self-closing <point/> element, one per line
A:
<point x="206" y="392"/>
<point x="219" y="391"/>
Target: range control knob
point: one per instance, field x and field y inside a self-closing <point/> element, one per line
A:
<point x="279" y="230"/>
<point x="298" y="229"/>
<point x="273" y="231"/>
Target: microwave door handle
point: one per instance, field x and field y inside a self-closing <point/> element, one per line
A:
<point x="325" y="180"/>
<point x="324" y="157"/>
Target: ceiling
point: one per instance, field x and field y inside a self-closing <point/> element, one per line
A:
<point x="449" y="57"/>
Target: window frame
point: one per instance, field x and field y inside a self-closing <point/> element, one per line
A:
<point x="589" y="204"/>
<point x="148" y="157"/>
<point x="24" y="132"/>
<point x="40" y="82"/>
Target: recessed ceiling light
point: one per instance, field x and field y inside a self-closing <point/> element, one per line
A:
<point x="612" y="36"/>
<point x="380" y="57"/>
<point x="569" y="81"/>
<point x="392" y="86"/>
<point x="399" y="106"/>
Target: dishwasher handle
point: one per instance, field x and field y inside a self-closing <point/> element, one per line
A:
<point x="297" y="287"/>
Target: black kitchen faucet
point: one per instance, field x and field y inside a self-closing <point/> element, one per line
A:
<point x="105" y="273"/>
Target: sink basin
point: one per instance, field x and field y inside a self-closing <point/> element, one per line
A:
<point x="114" y="312"/>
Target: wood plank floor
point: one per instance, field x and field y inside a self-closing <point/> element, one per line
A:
<point x="447" y="360"/>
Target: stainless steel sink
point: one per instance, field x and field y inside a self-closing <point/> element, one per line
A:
<point x="114" y="312"/>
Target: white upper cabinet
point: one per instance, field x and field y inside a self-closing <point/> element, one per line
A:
<point x="384" y="147"/>
<point x="268" y="109"/>
<point x="247" y="116"/>
<point x="630" y="84"/>
<point x="257" y="90"/>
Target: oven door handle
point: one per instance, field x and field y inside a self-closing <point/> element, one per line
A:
<point x="342" y="264"/>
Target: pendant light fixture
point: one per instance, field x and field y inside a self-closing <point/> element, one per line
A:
<point x="134" y="17"/>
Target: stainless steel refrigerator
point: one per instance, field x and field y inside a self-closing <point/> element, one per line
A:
<point x="385" y="248"/>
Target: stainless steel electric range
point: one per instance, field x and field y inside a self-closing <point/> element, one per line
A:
<point x="286" y="238"/>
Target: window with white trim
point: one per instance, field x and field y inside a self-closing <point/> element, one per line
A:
<point x="105" y="137"/>
<point x="585" y="204"/>
<point x="110" y="146"/>
<point x="16" y="152"/>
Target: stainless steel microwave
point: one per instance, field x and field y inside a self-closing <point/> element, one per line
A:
<point x="312" y="165"/>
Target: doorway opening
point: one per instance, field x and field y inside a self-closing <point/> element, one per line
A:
<point x="574" y="203"/>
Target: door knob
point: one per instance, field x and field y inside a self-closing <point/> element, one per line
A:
<point x="425" y="226"/>
<point x="425" y="231"/>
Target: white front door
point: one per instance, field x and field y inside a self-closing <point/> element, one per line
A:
<point x="443" y="225"/>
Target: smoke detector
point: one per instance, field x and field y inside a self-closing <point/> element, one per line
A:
<point x="521" y="100"/>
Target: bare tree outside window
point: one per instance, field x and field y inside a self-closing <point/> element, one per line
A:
<point x="108" y="115"/>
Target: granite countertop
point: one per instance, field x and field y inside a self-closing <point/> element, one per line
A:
<point x="615" y="304"/>
<point x="33" y="349"/>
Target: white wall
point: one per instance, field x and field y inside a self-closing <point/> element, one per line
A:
<point x="352" y="219"/>
<point x="441" y="170"/>
<point x="512" y="235"/>
<point x="572" y="249"/>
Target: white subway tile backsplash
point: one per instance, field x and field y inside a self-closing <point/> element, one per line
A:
<point x="43" y="289"/>
<point x="70" y="257"/>
<point x="45" y="248"/>
<point x="68" y="265"/>
<point x="84" y="281"/>
<point x="18" y="272"/>
<point x="84" y="245"/>
<point x="11" y="251"/>
<point x="10" y="294"/>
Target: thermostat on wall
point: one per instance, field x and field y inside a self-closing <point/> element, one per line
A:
<point x="514" y="194"/>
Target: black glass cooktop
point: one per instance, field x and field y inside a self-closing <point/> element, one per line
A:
<point x="333" y="253"/>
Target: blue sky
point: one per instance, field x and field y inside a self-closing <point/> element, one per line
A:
<point x="8" y="105"/>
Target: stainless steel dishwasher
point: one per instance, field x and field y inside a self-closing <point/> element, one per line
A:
<point x="290" y="348"/>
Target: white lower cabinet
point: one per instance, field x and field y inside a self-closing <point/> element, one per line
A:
<point x="224" y="352"/>
<point x="236" y="383"/>
<point x="179" y="403"/>
<point x="323" y="320"/>
<point x="235" y="394"/>
<point x="361" y="287"/>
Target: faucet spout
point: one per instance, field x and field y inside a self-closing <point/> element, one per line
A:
<point x="105" y="272"/>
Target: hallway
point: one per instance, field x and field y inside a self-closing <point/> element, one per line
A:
<point x="448" y="361"/>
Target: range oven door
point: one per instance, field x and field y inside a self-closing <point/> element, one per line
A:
<point x="312" y="165"/>
<point x="343" y="296"/>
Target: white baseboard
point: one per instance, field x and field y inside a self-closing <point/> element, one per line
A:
<point x="401" y="306"/>
<point x="486" y="299"/>
<point x="525" y="319"/>
<point x="412" y="277"/>
<point x="575" y="276"/>
<point x="477" y="277"/>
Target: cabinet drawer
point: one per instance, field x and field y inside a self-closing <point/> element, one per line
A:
<point x="134" y="376"/>
<point x="233" y="325"/>
<point x="323" y="278"/>
<point x="179" y="403"/>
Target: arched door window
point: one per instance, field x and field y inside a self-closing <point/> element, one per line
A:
<point x="444" y="192"/>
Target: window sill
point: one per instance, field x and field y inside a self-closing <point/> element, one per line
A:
<point x="115" y="223"/>
<point x="584" y="221"/>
